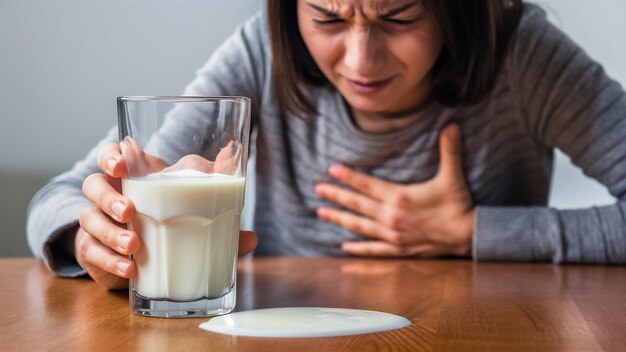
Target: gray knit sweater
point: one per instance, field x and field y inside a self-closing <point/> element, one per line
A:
<point x="549" y="94"/>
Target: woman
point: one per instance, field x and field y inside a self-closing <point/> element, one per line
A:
<point x="387" y="128"/>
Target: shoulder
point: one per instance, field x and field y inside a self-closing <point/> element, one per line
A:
<point x="256" y="27"/>
<point x="532" y="13"/>
<point x="534" y="29"/>
<point x="533" y="25"/>
<point x="246" y="50"/>
<point x="537" y="42"/>
<point x="252" y="35"/>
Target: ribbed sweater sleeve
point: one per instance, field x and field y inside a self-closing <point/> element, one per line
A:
<point x="567" y="102"/>
<point x="54" y="211"/>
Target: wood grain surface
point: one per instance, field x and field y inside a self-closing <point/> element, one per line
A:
<point x="453" y="305"/>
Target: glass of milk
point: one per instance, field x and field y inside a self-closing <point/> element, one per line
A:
<point x="186" y="164"/>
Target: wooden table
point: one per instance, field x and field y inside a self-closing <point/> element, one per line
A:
<point x="453" y="305"/>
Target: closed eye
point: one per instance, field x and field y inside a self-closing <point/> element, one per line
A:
<point x="329" y="22"/>
<point x="407" y="22"/>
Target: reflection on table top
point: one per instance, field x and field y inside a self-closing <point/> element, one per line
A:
<point x="453" y="305"/>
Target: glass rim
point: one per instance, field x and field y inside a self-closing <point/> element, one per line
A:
<point x="181" y="98"/>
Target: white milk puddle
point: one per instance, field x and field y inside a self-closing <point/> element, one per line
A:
<point x="304" y="322"/>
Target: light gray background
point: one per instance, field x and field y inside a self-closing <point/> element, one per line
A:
<point x="63" y="62"/>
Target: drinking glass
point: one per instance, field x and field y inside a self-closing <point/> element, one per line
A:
<point x="185" y="175"/>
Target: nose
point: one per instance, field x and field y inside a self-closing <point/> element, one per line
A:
<point x="362" y="54"/>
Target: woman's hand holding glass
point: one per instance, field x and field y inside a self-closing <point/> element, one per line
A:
<point x="428" y="219"/>
<point x="103" y="242"/>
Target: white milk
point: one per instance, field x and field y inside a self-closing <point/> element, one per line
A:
<point x="189" y="225"/>
<point x="304" y="322"/>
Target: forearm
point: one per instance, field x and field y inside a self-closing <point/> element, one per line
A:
<point x="52" y="225"/>
<point x="54" y="212"/>
<point x="594" y="235"/>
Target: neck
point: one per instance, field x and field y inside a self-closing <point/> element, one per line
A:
<point x="381" y="122"/>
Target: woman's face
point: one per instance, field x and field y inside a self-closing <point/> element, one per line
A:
<point x="377" y="53"/>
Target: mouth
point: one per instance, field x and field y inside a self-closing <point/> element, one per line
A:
<point x="368" y="86"/>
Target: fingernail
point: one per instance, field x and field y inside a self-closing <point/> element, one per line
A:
<point x="123" y="147"/>
<point x="118" y="208"/>
<point x="334" y="170"/>
<point x="122" y="267"/>
<point x="111" y="164"/>
<point x="453" y="131"/>
<point x="123" y="240"/>
<point x="321" y="213"/>
<point x="319" y="189"/>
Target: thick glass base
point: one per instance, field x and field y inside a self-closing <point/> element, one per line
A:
<point x="163" y="308"/>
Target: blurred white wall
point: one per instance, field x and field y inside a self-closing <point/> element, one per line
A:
<point x="63" y="62"/>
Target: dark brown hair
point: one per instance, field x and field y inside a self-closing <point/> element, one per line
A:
<point x="475" y="35"/>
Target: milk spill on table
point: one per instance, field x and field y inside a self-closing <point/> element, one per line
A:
<point x="304" y="322"/>
<point x="189" y="225"/>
